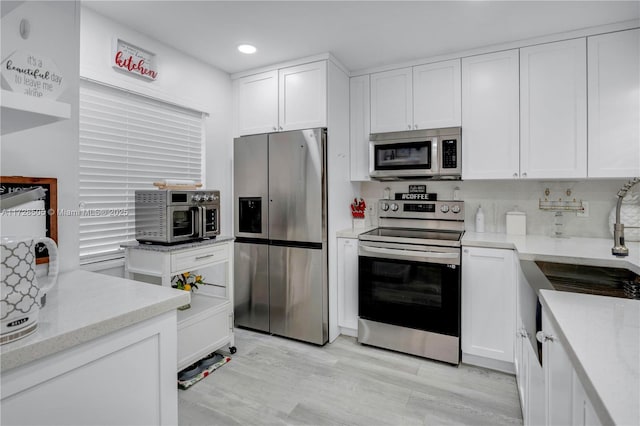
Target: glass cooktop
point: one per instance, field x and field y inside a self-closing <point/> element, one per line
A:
<point x="414" y="236"/>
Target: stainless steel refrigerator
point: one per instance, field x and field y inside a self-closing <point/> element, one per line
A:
<point x="280" y="226"/>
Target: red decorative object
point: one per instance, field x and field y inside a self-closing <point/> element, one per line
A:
<point x="358" y="208"/>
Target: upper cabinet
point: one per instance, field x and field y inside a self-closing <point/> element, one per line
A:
<point x="436" y="95"/>
<point x="359" y="127"/>
<point x="392" y="101"/>
<point x="290" y="98"/>
<point x="302" y="96"/>
<point x="614" y="104"/>
<point x="490" y="116"/>
<point x="420" y="97"/>
<point x="553" y="110"/>
<point x="258" y="103"/>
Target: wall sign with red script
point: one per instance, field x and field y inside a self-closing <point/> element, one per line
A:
<point x="133" y="60"/>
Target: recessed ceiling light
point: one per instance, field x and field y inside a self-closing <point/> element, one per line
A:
<point x="247" y="48"/>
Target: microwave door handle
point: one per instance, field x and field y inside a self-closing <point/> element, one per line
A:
<point x="435" y="161"/>
<point x="195" y="223"/>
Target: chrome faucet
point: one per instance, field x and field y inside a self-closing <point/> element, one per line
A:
<point x="619" y="249"/>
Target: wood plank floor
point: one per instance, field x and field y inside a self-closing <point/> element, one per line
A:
<point x="277" y="381"/>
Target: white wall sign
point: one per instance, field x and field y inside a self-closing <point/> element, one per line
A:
<point x="32" y="74"/>
<point x="133" y="60"/>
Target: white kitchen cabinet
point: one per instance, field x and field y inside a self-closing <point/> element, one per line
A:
<point x="534" y="393"/>
<point x="553" y="110"/>
<point x="558" y="376"/>
<point x="289" y="98"/>
<point x="258" y="103"/>
<point x="488" y="307"/>
<point x="208" y="324"/>
<point x="122" y="378"/>
<point x="392" y="100"/>
<point x="436" y="95"/>
<point x="420" y="97"/>
<point x="566" y="402"/>
<point x="583" y="413"/>
<point x="302" y="96"/>
<point x="348" y="286"/>
<point x="359" y="127"/>
<point x="614" y="104"/>
<point x="490" y="116"/>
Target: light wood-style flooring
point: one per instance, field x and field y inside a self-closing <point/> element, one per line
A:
<point x="277" y="381"/>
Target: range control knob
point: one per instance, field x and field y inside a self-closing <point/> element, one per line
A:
<point x="444" y="208"/>
<point x="384" y="207"/>
<point x="394" y="207"/>
<point x="455" y="208"/>
<point x="206" y="197"/>
<point x="195" y="197"/>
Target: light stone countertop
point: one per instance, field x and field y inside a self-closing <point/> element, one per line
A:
<point x="181" y="246"/>
<point x="353" y="232"/>
<point x="575" y="250"/>
<point x="84" y="306"/>
<point x="602" y="338"/>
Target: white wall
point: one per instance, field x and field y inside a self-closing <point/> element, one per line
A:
<point x="182" y="80"/>
<point x="498" y="197"/>
<point x="50" y="150"/>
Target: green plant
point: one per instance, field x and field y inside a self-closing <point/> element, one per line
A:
<point x="187" y="281"/>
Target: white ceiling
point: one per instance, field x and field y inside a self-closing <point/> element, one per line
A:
<point x="360" y="34"/>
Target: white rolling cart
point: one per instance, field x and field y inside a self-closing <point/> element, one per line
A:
<point x="207" y="325"/>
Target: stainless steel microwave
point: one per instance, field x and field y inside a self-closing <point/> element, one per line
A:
<point x="176" y="216"/>
<point x="416" y="154"/>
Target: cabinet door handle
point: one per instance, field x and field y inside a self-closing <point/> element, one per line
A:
<point x="524" y="174"/>
<point x="204" y="257"/>
<point x="542" y="337"/>
<point x="280" y="128"/>
<point x="409" y="126"/>
<point x="415" y="126"/>
<point x="275" y="128"/>
<point x="515" y="175"/>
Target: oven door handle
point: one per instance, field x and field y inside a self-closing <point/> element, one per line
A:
<point x="411" y="253"/>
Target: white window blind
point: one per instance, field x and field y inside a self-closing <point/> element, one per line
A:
<point x="127" y="142"/>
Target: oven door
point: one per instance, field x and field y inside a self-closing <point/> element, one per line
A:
<point x="210" y="220"/>
<point x="184" y="223"/>
<point x="403" y="159"/>
<point x="410" y="286"/>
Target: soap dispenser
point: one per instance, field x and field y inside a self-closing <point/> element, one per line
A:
<point x="479" y="219"/>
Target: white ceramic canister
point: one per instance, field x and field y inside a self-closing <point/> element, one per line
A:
<point x="21" y="289"/>
<point x="516" y="223"/>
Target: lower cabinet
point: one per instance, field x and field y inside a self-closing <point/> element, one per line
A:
<point x="488" y="307"/>
<point x="348" y="286"/>
<point x="210" y="316"/>
<point x="566" y="402"/>
<point x="123" y="378"/>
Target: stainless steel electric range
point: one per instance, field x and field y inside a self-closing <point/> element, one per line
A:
<point x="409" y="279"/>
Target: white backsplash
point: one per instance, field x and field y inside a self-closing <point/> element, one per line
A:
<point x="499" y="197"/>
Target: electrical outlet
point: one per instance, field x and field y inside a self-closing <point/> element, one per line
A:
<point x="585" y="212"/>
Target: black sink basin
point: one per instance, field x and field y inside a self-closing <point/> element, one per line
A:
<point x="598" y="280"/>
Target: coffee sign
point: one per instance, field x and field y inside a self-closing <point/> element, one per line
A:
<point x="32" y="74"/>
<point x="134" y="60"/>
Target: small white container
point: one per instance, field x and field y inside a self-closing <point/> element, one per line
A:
<point x="479" y="220"/>
<point x="516" y="223"/>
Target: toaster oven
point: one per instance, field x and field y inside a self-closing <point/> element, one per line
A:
<point x="176" y="216"/>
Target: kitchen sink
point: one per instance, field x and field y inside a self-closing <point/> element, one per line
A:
<point x="598" y="280"/>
